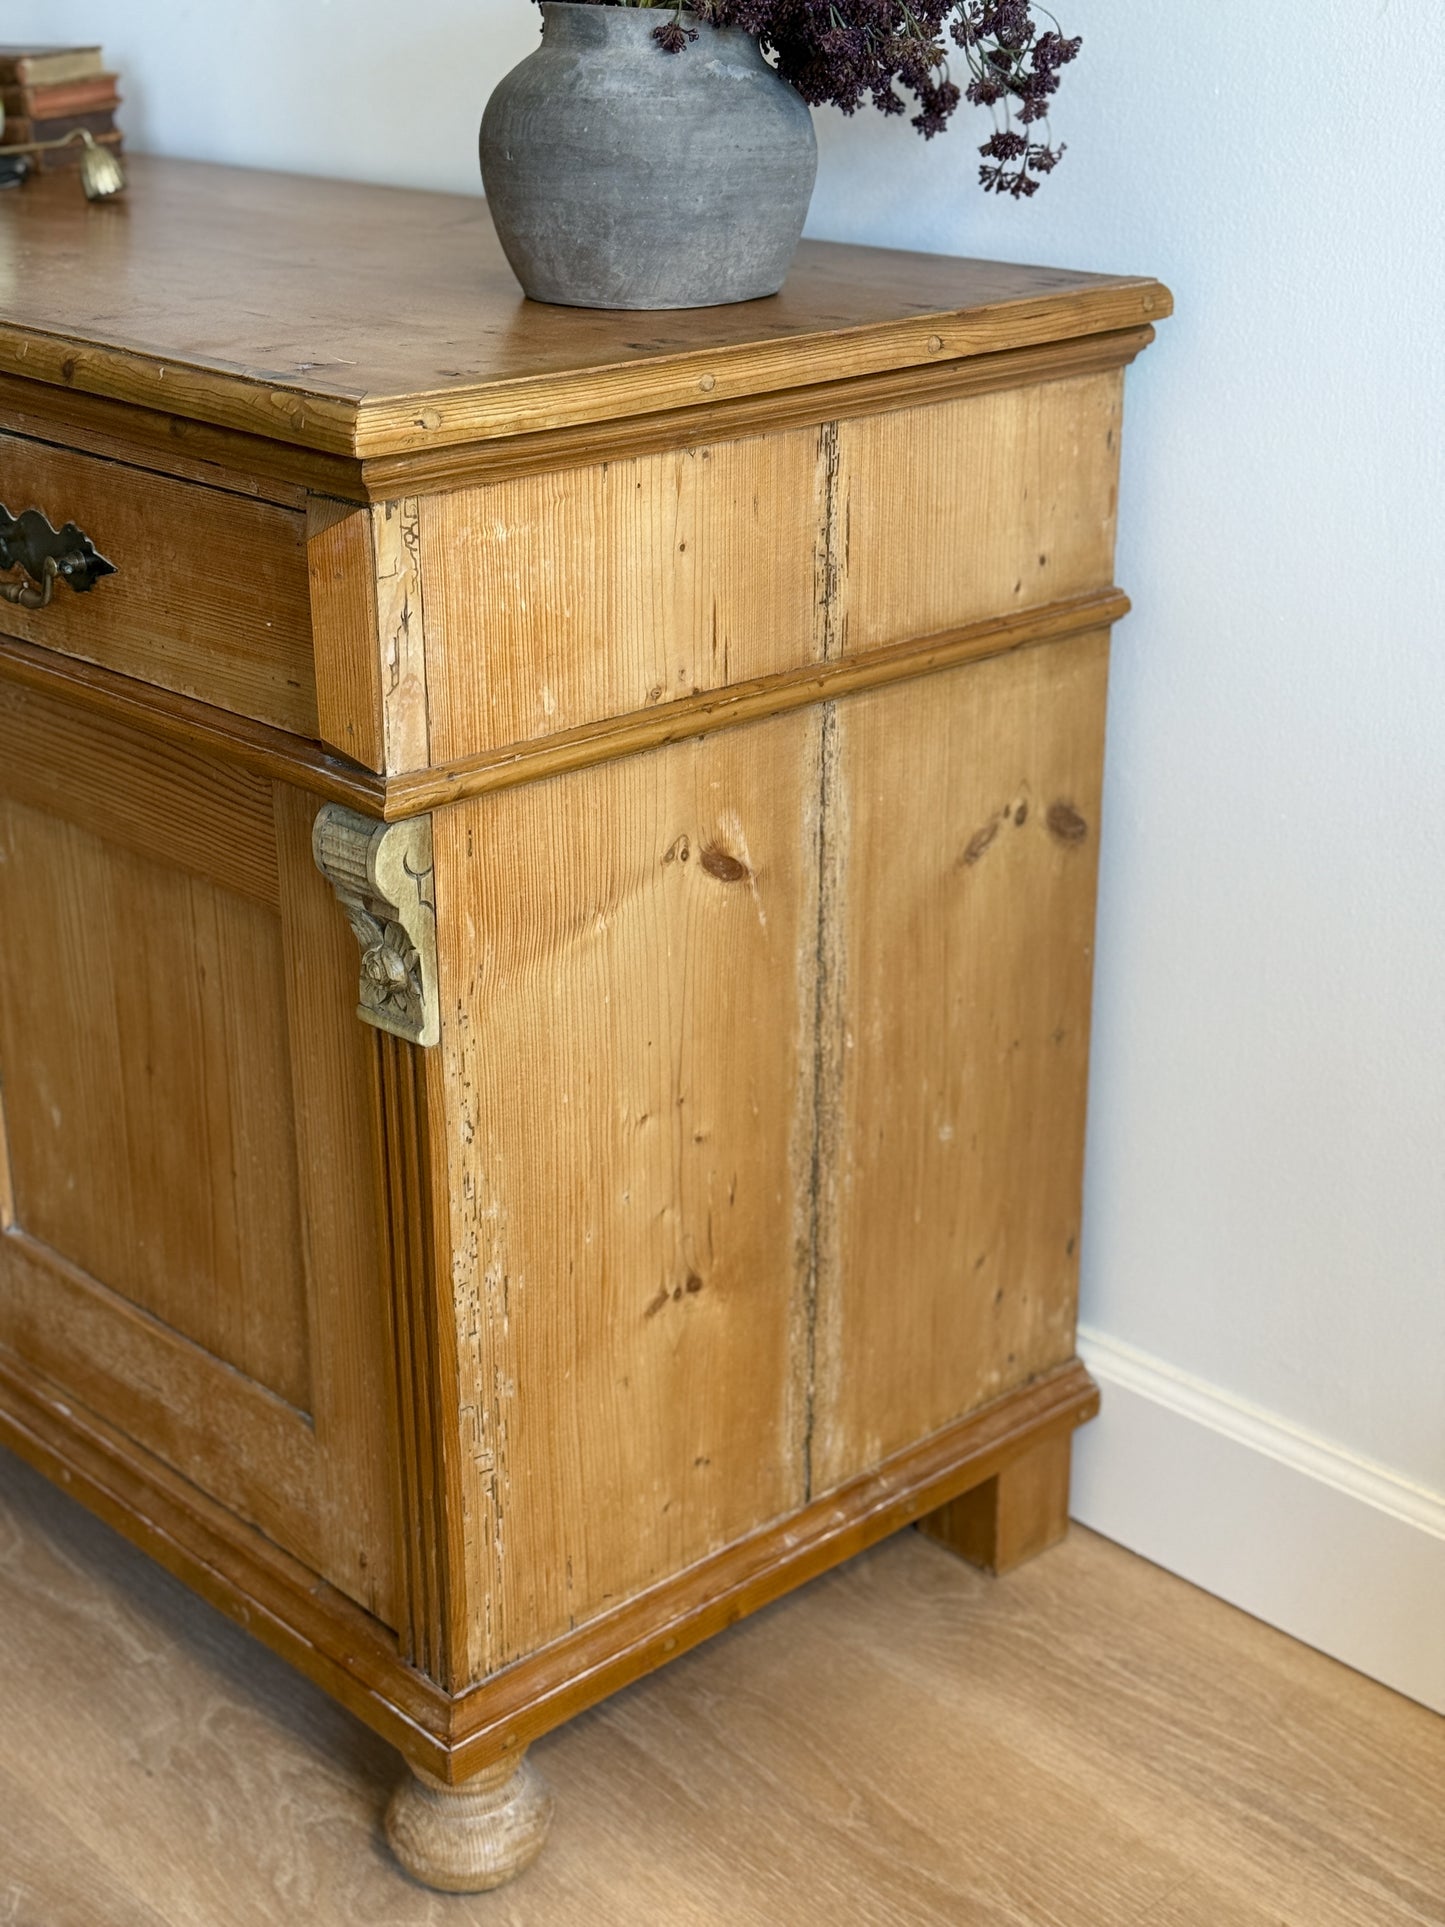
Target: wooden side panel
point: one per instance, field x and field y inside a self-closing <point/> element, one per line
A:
<point x="143" y="1035"/>
<point x="975" y="507"/>
<point x="626" y="960"/>
<point x="553" y="600"/>
<point x="557" y="600"/>
<point x="211" y="594"/>
<point x="962" y="852"/>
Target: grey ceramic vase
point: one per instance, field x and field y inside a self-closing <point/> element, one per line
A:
<point x="622" y="176"/>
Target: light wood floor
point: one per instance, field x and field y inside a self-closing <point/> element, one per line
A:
<point x="1089" y="1743"/>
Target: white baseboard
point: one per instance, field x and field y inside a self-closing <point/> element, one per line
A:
<point x="1339" y="1553"/>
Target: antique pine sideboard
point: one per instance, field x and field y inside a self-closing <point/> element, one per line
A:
<point x="547" y="870"/>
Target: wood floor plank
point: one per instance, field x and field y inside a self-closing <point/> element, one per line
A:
<point x="48" y="1875"/>
<point x="905" y="1743"/>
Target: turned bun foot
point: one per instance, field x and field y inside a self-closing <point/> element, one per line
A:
<point x="466" y="1839"/>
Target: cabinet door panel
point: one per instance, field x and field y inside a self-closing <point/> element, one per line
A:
<point x="190" y="1245"/>
<point x="147" y="1052"/>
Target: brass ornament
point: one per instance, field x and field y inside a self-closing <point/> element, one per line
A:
<point x="101" y="174"/>
<point x="47" y="556"/>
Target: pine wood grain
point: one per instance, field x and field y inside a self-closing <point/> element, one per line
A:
<point x="958" y="944"/>
<point x="168" y="444"/>
<point x="975" y="508"/>
<point x="209" y="598"/>
<point x="358" y="1661"/>
<point x="190" y="451"/>
<point x="332" y="778"/>
<point x="186" y="1091"/>
<point x="616" y="588"/>
<point x="341" y="567"/>
<point x="250" y="464"/>
<point x="903" y="1744"/>
<point x="107" y="1112"/>
<point x="625" y="1255"/>
<point x="7" y="1186"/>
<point x="237" y="1441"/>
<point x="751" y="663"/>
<point x="368" y="619"/>
<point x="200" y="252"/>
<point x="707" y="420"/>
<point x="647" y="584"/>
<point x="154" y="798"/>
<point x="401" y="596"/>
<point x="506" y="1713"/>
<point x="237" y="1569"/>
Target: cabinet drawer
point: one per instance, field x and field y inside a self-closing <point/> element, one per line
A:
<point x="210" y="592"/>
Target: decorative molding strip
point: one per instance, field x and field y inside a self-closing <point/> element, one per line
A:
<point x="749" y="702"/>
<point x="814" y="404"/>
<point x="238" y="458"/>
<point x="271" y="752"/>
<point x="776" y="369"/>
<point x="383" y="878"/>
<point x="242" y="463"/>
<point x="313" y="418"/>
<point x="1262" y="1431"/>
<point x="1333" y="1549"/>
<point x="433" y="1630"/>
<point x="316" y="417"/>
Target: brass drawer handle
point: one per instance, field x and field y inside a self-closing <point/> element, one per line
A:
<point x="47" y="556"/>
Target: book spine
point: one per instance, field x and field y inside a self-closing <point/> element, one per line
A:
<point x="19" y="133"/>
<point x="49" y="103"/>
<point x="64" y="64"/>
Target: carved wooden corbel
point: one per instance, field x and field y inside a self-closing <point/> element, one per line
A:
<point x="382" y="876"/>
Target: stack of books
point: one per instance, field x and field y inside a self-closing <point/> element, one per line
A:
<point x="48" y="92"/>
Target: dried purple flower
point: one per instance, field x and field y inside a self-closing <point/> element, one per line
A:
<point x="672" y="36"/>
<point x="848" y="53"/>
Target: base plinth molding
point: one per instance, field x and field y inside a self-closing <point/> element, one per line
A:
<point x="470" y="1838"/>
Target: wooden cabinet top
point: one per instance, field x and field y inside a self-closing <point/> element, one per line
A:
<point x="370" y="322"/>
